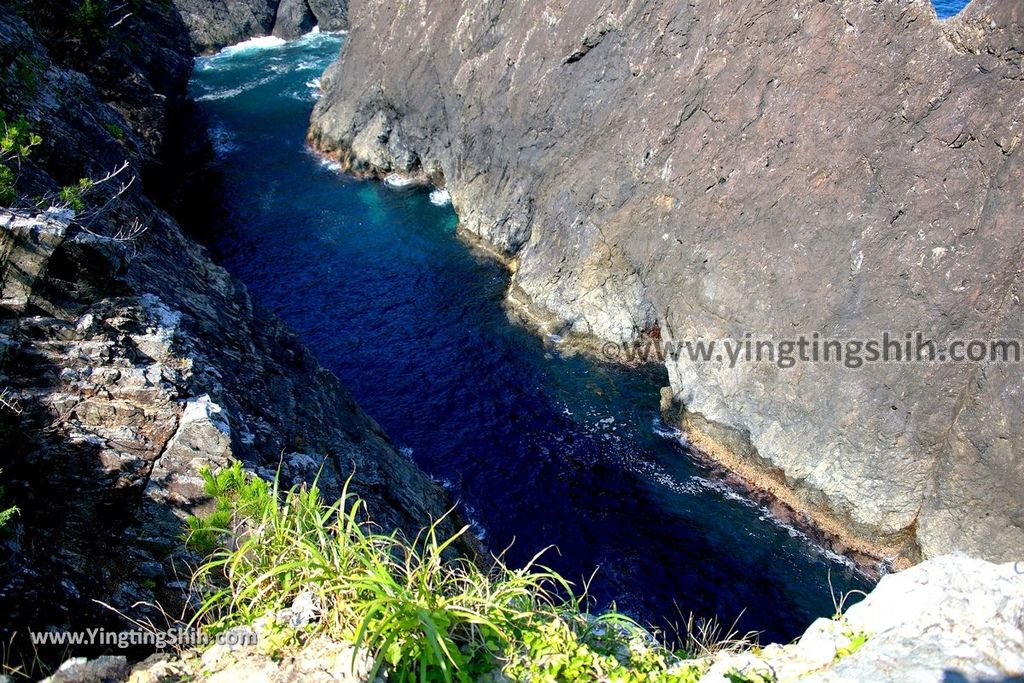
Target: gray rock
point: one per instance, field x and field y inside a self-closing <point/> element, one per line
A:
<point x="331" y="15"/>
<point x="100" y="670"/>
<point x="751" y="167"/>
<point x="212" y="24"/>
<point x="953" y="618"/>
<point x="26" y="245"/>
<point x="294" y="18"/>
<point x="320" y="661"/>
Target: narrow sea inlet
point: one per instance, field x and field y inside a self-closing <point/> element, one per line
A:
<point x="541" y="449"/>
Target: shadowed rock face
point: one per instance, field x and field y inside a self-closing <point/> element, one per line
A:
<point x="757" y="166"/>
<point x="127" y="367"/>
<point x="213" y="24"/>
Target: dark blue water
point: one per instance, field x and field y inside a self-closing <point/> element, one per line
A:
<point x="948" y="8"/>
<point x="541" y="449"/>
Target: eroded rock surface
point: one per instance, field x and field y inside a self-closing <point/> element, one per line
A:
<point x="712" y="170"/>
<point x="212" y="24"/>
<point x="954" y="618"/>
<point x="129" y="361"/>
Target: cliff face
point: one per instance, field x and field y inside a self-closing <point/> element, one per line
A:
<point x="127" y="365"/>
<point x="713" y="170"/>
<point x="212" y="24"/>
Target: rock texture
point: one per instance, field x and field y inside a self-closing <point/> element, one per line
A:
<point x="296" y="17"/>
<point x="127" y="365"/>
<point x="950" y="619"/>
<point x="212" y="24"/>
<point x="712" y="170"/>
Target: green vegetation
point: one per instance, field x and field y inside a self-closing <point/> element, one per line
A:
<point x="27" y="69"/>
<point x="758" y="676"/>
<point x="72" y="196"/>
<point x="8" y="512"/>
<point x="857" y="640"/>
<point x="422" y="611"/>
<point x="16" y="143"/>
<point x="89" y="21"/>
<point x="17" y="140"/>
<point x="114" y="130"/>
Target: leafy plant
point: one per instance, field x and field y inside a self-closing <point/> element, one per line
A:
<point x="422" y="611"/>
<point x="570" y="648"/>
<point x="235" y="494"/>
<point x="8" y="513"/>
<point x="73" y="196"/>
<point x="755" y="676"/>
<point x="16" y="143"/>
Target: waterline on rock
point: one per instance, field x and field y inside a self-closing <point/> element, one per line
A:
<point x="544" y="448"/>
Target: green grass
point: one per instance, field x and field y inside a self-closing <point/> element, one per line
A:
<point x="422" y="611"/>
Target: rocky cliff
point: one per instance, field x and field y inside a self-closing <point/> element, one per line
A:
<point x="751" y="169"/>
<point x="128" y="360"/>
<point x="212" y="24"/>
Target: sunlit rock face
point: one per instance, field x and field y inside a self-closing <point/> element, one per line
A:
<point x="715" y="170"/>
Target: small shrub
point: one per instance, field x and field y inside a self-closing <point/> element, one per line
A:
<point x="73" y="196"/>
<point x="571" y="649"/>
<point x="235" y="494"/>
<point x="16" y="143"/>
<point x="757" y="676"/>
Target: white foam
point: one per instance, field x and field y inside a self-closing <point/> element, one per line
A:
<point x="475" y="526"/>
<point x="440" y="198"/>
<point x="221" y="94"/>
<point x="398" y="182"/>
<point x="671" y="433"/>
<point x="253" y="44"/>
<point x="313" y="92"/>
<point x="331" y="165"/>
<point x="228" y="93"/>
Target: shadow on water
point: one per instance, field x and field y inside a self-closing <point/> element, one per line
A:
<point x="541" y="449"/>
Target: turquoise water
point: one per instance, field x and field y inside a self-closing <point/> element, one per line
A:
<point x="540" y="449"/>
<point x="947" y="8"/>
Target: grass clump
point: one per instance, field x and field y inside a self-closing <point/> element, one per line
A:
<point x="422" y="611"/>
<point x="237" y="497"/>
